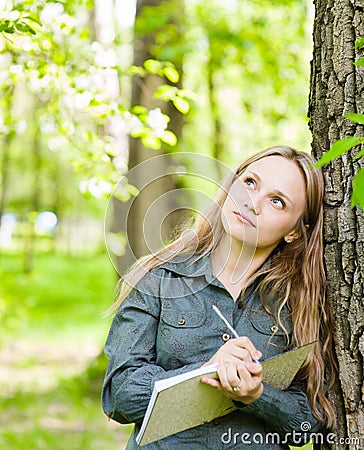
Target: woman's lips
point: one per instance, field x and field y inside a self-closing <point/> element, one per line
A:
<point x="243" y="219"/>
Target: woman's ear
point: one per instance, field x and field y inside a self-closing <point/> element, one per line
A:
<point x="292" y="236"/>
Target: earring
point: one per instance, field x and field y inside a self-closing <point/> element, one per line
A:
<point x="288" y="240"/>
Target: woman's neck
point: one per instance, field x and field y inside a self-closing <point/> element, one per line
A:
<point x="234" y="265"/>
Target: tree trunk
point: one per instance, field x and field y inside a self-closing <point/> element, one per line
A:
<point x="5" y="162"/>
<point x="30" y="238"/>
<point x="337" y="88"/>
<point x="218" y="141"/>
<point x="144" y="232"/>
<point x="4" y="173"/>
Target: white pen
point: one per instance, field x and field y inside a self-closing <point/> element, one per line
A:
<point x="219" y="313"/>
<point x="234" y="333"/>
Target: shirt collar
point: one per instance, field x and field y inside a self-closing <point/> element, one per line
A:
<point x="200" y="265"/>
<point x="196" y="265"/>
<point x="189" y="265"/>
<point x="193" y="266"/>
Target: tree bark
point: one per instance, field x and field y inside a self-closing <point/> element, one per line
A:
<point x="337" y="88"/>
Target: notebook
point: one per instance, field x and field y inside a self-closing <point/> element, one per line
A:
<point x="182" y="402"/>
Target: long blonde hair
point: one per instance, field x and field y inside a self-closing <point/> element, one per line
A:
<point x="296" y="276"/>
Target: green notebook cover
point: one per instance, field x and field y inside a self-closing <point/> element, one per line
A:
<point x="182" y="402"/>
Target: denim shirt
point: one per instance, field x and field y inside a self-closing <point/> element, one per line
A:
<point x="166" y="326"/>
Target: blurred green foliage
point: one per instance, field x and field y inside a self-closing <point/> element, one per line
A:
<point x="62" y="298"/>
<point x="56" y="307"/>
<point x="66" y="417"/>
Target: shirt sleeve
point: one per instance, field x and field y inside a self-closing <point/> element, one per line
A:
<point x="286" y="412"/>
<point x="132" y="368"/>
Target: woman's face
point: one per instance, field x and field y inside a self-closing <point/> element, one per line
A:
<point x="265" y="203"/>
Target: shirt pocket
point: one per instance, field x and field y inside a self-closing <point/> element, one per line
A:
<point x="272" y="338"/>
<point x="181" y="337"/>
<point x="182" y="319"/>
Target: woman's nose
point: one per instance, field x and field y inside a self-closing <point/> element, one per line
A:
<point x="252" y="203"/>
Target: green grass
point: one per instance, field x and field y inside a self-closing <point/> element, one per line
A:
<point x="51" y="334"/>
<point x="65" y="418"/>
<point x="61" y="296"/>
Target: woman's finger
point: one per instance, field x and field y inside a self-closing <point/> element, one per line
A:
<point x="211" y="382"/>
<point x="232" y="376"/>
<point x="238" y="352"/>
<point x="231" y="349"/>
<point x="256" y="369"/>
<point x="251" y="382"/>
<point x="222" y="372"/>
<point x="246" y="343"/>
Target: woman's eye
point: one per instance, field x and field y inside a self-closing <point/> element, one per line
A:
<point x="250" y="182"/>
<point x="278" y="202"/>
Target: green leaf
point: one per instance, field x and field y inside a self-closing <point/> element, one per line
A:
<point x="360" y="62"/>
<point x="133" y="190"/>
<point x="138" y="133"/>
<point x="166" y="92"/>
<point x="359" y="43"/>
<point x="4" y="24"/>
<point x="339" y="147"/>
<point x="169" y="138"/>
<point x="357" y="118"/>
<point x="137" y="71"/>
<point x="59" y="58"/>
<point x="152" y="66"/>
<point x="182" y="105"/>
<point x="124" y="192"/>
<point x="24" y="28"/>
<point x="139" y="109"/>
<point x="33" y="19"/>
<point x="360" y="154"/>
<point x="89" y="135"/>
<point x="151" y="141"/>
<point x="187" y="93"/>
<point x="357" y="197"/>
<point x="171" y="73"/>
<point x="85" y="34"/>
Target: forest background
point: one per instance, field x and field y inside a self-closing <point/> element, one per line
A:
<point x="88" y="92"/>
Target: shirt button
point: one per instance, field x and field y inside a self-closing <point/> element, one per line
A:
<point x="225" y="337"/>
<point x="274" y="328"/>
<point x="181" y="321"/>
<point x="216" y="422"/>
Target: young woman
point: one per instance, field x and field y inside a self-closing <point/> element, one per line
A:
<point x="257" y="254"/>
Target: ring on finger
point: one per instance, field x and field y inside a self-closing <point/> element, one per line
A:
<point x="237" y="388"/>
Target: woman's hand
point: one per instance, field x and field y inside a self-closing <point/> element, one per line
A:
<point x="236" y="351"/>
<point x="236" y="369"/>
